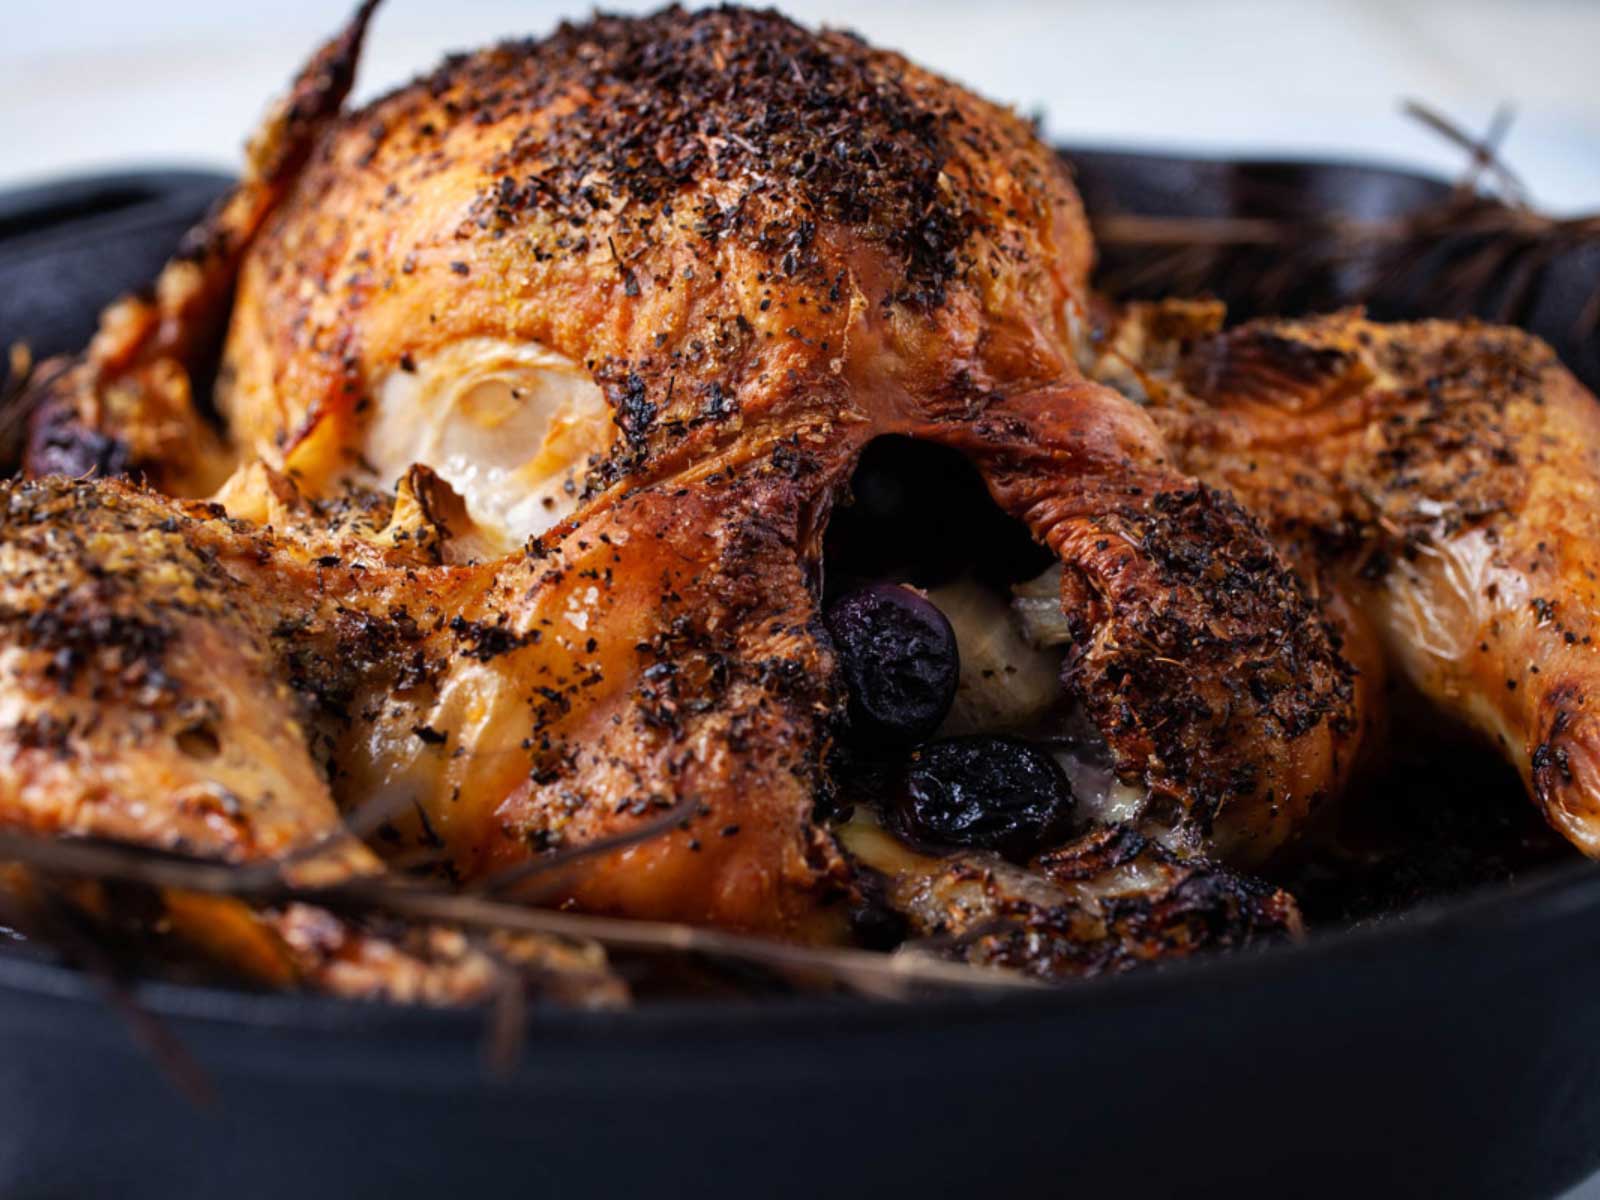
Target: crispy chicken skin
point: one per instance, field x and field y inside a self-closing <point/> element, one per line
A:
<point x="1443" y="477"/>
<point x="126" y="406"/>
<point x="142" y="701"/>
<point x="541" y="379"/>
<point x="760" y="248"/>
<point x="235" y="655"/>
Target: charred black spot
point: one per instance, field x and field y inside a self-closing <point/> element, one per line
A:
<point x="486" y="640"/>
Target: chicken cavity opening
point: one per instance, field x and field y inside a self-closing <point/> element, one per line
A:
<point x="920" y="515"/>
<point x="1011" y="660"/>
<point x="512" y="427"/>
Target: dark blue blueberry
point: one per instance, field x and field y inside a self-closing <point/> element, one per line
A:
<point x="984" y="792"/>
<point x="898" y="654"/>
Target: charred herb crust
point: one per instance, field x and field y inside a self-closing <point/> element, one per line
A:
<point x="1440" y="453"/>
<point x="1220" y="644"/>
<point x="827" y="126"/>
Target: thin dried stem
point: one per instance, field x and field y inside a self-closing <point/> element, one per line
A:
<point x="866" y="972"/>
<point x="507" y="1018"/>
<point x="542" y="867"/>
<point x="1485" y="151"/>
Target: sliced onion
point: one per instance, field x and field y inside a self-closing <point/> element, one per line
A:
<point x="1037" y="604"/>
<point x="1011" y="683"/>
<point x="1006" y="684"/>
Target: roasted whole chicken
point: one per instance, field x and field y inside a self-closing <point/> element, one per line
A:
<point x="505" y="534"/>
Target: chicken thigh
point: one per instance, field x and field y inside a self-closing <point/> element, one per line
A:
<point x="1440" y="477"/>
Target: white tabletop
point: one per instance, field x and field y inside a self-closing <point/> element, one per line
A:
<point x="91" y="83"/>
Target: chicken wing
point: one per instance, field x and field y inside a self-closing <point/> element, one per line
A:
<point x="147" y="700"/>
<point x="127" y="404"/>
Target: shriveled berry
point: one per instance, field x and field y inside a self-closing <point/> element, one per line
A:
<point x="899" y="658"/>
<point x="987" y="792"/>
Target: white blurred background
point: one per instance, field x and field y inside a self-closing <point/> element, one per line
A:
<point x="94" y="83"/>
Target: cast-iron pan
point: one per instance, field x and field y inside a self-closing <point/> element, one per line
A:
<point x="1454" y="1051"/>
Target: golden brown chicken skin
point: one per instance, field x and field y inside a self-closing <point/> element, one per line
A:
<point x="755" y="249"/>
<point x="185" y="679"/>
<point x="662" y="656"/>
<point x="142" y="701"/>
<point x="1443" y="477"/>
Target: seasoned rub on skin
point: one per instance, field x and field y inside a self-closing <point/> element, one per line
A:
<point x="146" y="698"/>
<point x="142" y="701"/>
<point x="497" y="711"/>
<point x="1444" y="477"/>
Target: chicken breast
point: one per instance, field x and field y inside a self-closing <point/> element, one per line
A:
<point x="746" y="244"/>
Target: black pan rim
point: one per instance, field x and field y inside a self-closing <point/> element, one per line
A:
<point x="1254" y="160"/>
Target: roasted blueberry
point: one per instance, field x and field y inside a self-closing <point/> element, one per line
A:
<point x="986" y="792"/>
<point x="898" y="654"/>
